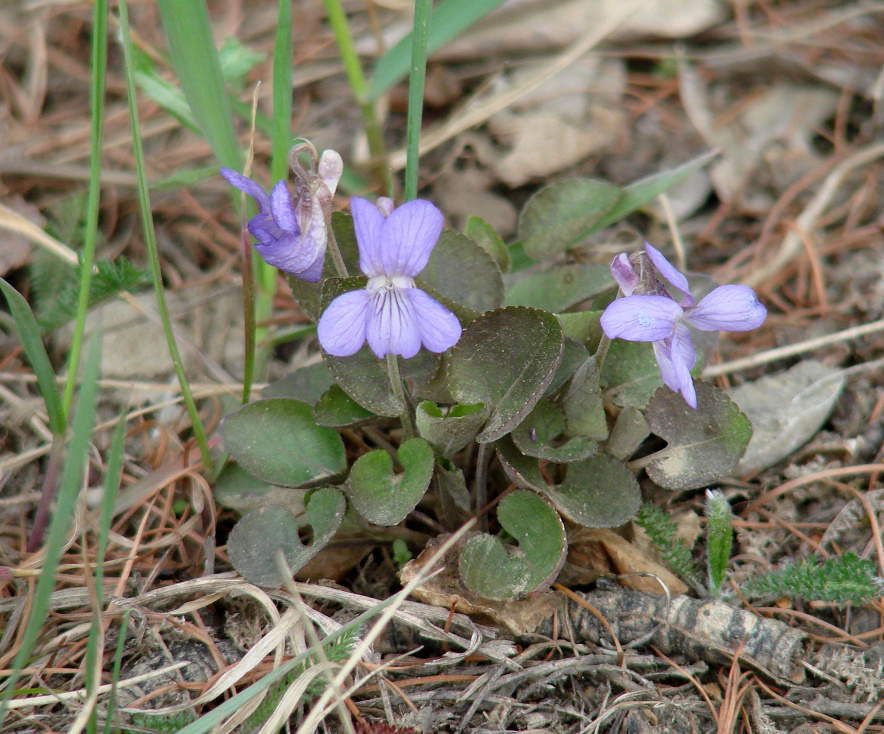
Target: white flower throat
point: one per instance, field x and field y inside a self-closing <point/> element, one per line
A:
<point x="389" y="282"/>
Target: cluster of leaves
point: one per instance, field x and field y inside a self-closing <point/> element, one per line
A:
<point x="522" y="385"/>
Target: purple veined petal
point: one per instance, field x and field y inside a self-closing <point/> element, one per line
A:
<point x="624" y="273"/>
<point x="282" y="209"/>
<point x="330" y="169"/>
<point x="728" y="308"/>
<point x="392" y="326"/>
<point x="669" y="273"/>
<point x="410" y="234"/>
<point x="248" y="186"/>
<point x="369" y="225"/>
<point x="287" y="254"/>
<point x="264" y="229"/>
<point x="641" y="318"/>
<point x="313" y="272"/>
<point x="439" y="328"/>
<point x="341" y="327"/>
<point x="676" y="357"/>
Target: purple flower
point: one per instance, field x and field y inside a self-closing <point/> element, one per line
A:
<point x="391" y="313"/>
<point x="649" y="313"/>
<point x="292" y="234"/>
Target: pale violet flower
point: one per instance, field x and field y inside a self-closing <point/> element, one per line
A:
<point x="291" y="233"/>
<point x="649" y="313"/>
<point x="393" y="315"/>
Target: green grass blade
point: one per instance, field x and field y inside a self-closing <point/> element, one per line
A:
<point x="99" y="67"/>
<point x="423" y="9"/>
<point x="450" y="19"/>
<point x="719" y="538"/>
<point x="115" y="675"/>
<point x="71" y="481"/>
<point x="29" y="333"/>
<point x="282" y="92"/>
<point x="196" y="60"/>
<point x="150" y="239"/>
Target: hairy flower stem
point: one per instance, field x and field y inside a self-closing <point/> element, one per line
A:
<point x="396" y="384"/>
<point x="481" y="485"/>
<point x="333" y="248"/>
<point x="602" y="352"/>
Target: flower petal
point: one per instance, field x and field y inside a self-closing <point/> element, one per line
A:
<point x="249" y="187"/>
<point x="282" y="209"/>
<point x="264" y="229"/>
<point x="641" y="318"/>
<point x="330" y="169"/>
<point x="624" y="273"/>
<point x="728" y="308"/>
<point x="409" y="236"/>
<point x="369" y="225"/>
<point x="669" y="273"/>
<point x="676" y="357"/>
<point x="341" y="327"/>
<point x="313" y="272"/>
<point x="287" y="254"/>
<point x="439" y="328"/>
<point x="392" y="325"/>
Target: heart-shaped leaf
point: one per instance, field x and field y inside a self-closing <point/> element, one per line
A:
<point x="258" y="537"/>
<point x="546" y="423"/>
<point x="490" y="569"/>
<point x="560" y="287"/>
<point x="484" y="235"/>
<point x="383" y="497"/>
<point x="704" y="445"/>
<point x="237" y="489"/>
<point x="277" y="441"/>
<point x="599" y="492"/>
<point x="583" y="403"/>
<point x="573" y="356"/>
<point x="560" y="215"/>
<point x="306" y="384"/>
<point x="506" y="359"/>
<point x="462" y="273"/>
<point x="450" y="433"/>
<point x="336" y="408"/>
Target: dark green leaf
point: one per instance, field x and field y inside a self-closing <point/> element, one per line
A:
<point x="630" y="430"/>
<point x="560" y="287"/>
<point x="583" y="326"/>
<point x="630" y="373"/>
<point x="484" y="235"/>
<point x="583" y="403"/>
<point x="536" y="436"/>
<point x="450" y="433"/>
<point x="573" y="356"/>
<point x="337" y="409"/>
<point x="306" y="384"/>
<point x="452" y="481"/>
<point x="237" y="489"/>
<point x="277" y="441"/>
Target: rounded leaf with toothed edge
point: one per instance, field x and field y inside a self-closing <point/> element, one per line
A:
<point x="599" y="492"/>
<point x="703" y="445"/>
<point x="496" y="572"/>
<point x="277" y="441"/>
<point x="384" y="497"/>
<point x="506" y="359"/>
<point x="258" y="538"/>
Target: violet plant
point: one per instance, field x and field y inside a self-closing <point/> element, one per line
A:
<point x="457" y="366"/>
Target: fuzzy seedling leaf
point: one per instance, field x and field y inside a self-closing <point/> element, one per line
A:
<point x="599" y="492"/>
<point x="506" y="359"/>
<point x="560" y="287"/>
<point x="719" y="538"/>
<point x="277" y="441"/>
<point x="484" y="235"/>
<point x="451" y="432"/>
<point x="258" y="537"/>
<point x="337" y="409"/>
<point x="490" y="569"/>
<point x="463" y="274"/>
<point x="560" y="215"/>
<point x="535" y="436"/>
<point x="383" y="497"/>
<point x="703" y="444"/>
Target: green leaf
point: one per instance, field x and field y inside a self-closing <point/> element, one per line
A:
<point x="584" y="408"/>
<point x="599" y="492"/>
<point x="463" y="274"/>
<point x="258" y="537"/>
<point x="560" y="287"/>
<point x="629" y="432"/>
<point x="630" y="373"/>
<point x="583" y="326"/>
<point x="385" y="498"/>
<point x="29" y="333"/>
<point x="506" y="359"/>
<point x="451" y="432"/>
<point x="306" y="384"/>
<point x="484" y="235"/>
<point x="449" y="20"/>
<point x="573" y="356"/>
<point x="560" y="215"/>
<point x="277" y="441"/>
<point x="538" y="433"/>
<point x="703" y="444"/>
<point x="490" y="569"/>
<point x="453" y="483"/>
<point x="238" y="490"/>
<point x="337" y="409"/>
<point x="641" y="192"/>
<point x="719" y="538"/>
